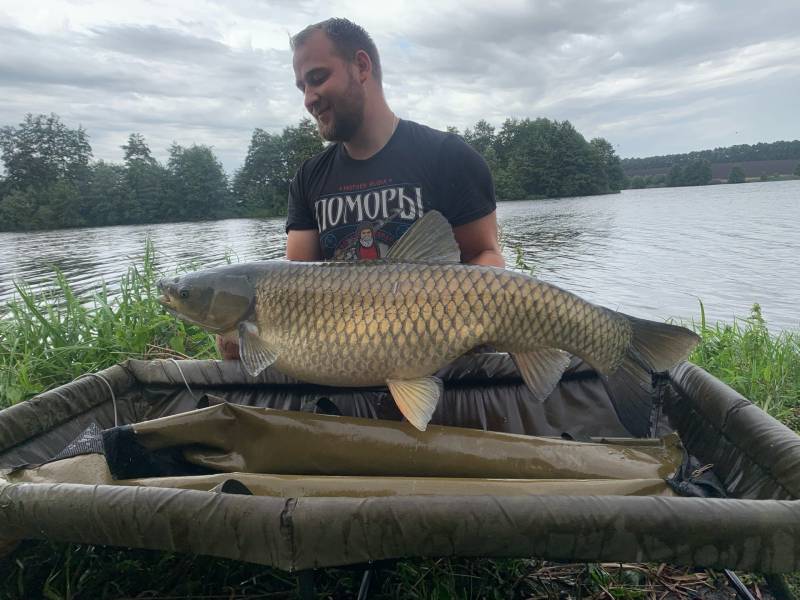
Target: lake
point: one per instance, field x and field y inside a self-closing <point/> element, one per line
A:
<point x="651" y="253"/>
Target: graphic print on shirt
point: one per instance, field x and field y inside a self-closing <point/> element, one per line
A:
<point x="362" y="221"/>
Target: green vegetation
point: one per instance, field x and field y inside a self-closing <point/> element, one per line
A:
<point x="739" y="153"/>
<point x="737" y="175"/>
<point x="51" y="181"/>
<point x="763" y="367"/>
<point x="542" y="158"/>
<point x="697" y="172"/>
<point x="48" y="339"/>
<point x="261" y="186"/>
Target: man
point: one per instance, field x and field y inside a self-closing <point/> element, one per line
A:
<point x="367" y="246"/>
<point x="381" y="172"/>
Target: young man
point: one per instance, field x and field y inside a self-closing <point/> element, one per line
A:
<point x="380" y="168"/>
<point x="381" y="173"/>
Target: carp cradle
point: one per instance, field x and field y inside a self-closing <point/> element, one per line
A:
<point x="332" y="491"/>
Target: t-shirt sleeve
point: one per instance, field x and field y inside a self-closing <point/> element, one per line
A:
<point x="299" y="213"/>
<point x="468" y="188"/>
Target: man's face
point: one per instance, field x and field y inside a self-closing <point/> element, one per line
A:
<point x="332" y="92"/>
<point x="366" y="238"/>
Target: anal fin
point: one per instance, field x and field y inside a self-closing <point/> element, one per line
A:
<point x="256" y="355"/>
<point x="416" y="398"/>
<point x="542" y="369"/>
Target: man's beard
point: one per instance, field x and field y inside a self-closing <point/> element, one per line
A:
<point x="346" y="116"/>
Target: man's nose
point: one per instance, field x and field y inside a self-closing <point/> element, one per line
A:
<point x="310" y="98"/>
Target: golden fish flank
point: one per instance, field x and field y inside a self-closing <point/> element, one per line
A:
<point x="397" y="321"/>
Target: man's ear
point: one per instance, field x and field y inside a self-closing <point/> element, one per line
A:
<point x="364" y="65"/>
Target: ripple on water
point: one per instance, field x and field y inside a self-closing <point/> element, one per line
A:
<point x="652" y="253"/>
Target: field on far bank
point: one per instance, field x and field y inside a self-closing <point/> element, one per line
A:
<point x="753" y="169"/>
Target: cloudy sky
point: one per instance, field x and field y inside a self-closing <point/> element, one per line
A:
<point x="651" y="76"/>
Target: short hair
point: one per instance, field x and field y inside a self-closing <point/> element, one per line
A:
<point x="347" y="38"/>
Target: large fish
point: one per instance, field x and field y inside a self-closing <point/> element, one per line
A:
<point x="397" y="321"/>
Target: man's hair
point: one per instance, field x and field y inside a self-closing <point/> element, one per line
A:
<point x="347" y="38"/>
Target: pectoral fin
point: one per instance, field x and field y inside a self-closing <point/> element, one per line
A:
<point x="416" y="398"/>
<point x="256" y="355"/>
<point x="542" y="369"/>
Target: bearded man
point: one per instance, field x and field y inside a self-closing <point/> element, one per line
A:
<point x="379" y="168"/>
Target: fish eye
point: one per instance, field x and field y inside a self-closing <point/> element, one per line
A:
<point x="184" y="293"/>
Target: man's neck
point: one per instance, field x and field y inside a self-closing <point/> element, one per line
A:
<point x="374" y="133"/>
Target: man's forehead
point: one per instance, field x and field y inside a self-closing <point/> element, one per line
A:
<point x="316" y="50"/>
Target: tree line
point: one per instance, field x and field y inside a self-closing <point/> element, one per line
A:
<point x="783" y="150"/>
<point x="50" y="180"/>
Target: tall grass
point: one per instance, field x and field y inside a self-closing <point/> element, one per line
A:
<point x="49" y="338"/>
<point x="763" y="367"/>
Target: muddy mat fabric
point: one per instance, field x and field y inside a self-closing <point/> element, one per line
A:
<point x="228" y="438"/>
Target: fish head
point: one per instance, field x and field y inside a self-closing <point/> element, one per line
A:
<point x="215" y="299"/>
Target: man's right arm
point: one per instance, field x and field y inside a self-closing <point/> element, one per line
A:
<point x="303" y="244"/>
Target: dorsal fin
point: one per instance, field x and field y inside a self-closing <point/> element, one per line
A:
<point x="429" y="239"/>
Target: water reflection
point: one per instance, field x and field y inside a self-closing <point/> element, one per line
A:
<point x="652" y="253"/>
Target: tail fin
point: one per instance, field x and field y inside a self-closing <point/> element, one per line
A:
<point x="659" y="346"/>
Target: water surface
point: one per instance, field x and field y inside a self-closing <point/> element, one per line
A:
<point x="651" y="253"/>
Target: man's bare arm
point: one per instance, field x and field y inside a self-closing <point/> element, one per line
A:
<point x="303" y="244"/>
<point x="478" y="242"/>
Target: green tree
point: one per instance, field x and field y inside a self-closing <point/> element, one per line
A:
<point x="137" y="150"/>
<point x="481" y="136"/>
<point x="675" y="176"/>
<point x="261" y="185"/>
<point x="106" y="194"/>
<point x="146" y="185"/>
<point x="197" y="183"/>
<point x="638" y="182"/>
<point x="18" y="211"/>
<point x="52" y="206"/>
<point x="42" y="150"/>
<point x="300" y="143"/>
<point x="608" y="166"/>
<point x="737" y="175"/>
<point x="697" y="172"/>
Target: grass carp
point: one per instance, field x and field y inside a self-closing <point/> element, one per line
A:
<point x="398" y="320"/>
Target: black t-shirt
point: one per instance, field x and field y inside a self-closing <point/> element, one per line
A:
<point x="361" y="207"/>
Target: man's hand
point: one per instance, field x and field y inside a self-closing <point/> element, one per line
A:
<point x="228" y="346"/>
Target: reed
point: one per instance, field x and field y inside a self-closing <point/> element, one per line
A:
<point x="49" y="338"/>
<point x="763" y="367"/>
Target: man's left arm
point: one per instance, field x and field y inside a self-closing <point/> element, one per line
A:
<point x="478" y="242"/>
<point x="469" y="203"/>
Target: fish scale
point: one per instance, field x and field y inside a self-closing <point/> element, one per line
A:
<point x="349" y="324"/>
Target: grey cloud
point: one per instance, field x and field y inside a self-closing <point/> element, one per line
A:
<point x="160" y="43"/>
<point x="629" y="71"/>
